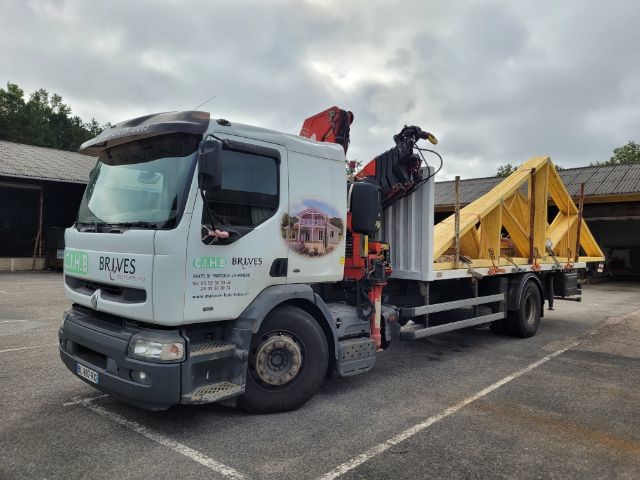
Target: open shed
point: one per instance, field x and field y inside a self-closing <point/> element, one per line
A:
<point x="40" y="192"/>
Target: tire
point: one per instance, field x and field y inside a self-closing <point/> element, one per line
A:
<point x="525" y="321"/>
<point x="288" y="362"/>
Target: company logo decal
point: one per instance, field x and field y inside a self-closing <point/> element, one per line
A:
<point x="246" y="262"/>
<point x="76" y="261"/>
<point x="120" y="268"/>
<point x="210" y="262"/>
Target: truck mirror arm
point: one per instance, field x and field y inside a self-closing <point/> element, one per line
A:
<point x="210" y="164"/>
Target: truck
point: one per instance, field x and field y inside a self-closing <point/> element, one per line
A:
<point x="213" y="261"/>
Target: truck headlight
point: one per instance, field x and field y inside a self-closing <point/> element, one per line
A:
<point x="156" y="349"/>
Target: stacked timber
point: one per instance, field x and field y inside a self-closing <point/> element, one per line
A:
<point x="510" y="224"/>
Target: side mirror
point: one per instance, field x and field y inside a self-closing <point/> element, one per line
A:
<point x="210" y="165"/>
<point x="365" y="207"/>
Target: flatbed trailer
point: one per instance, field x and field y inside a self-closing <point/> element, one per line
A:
<point x="425" y="252"/>
<point x="214" y="261"/>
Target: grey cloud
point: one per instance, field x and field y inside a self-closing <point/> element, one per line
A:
<point x="497" y="81"/>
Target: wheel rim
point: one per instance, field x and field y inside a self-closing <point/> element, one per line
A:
<point x="278" y="359"/>
<point x="530" y="310"/>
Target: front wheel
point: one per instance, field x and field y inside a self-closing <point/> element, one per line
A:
<point x="287" y="363"/>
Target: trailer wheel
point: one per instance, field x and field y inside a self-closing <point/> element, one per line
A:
<point x="287" y="363"/>
<point x="524" y="322"/>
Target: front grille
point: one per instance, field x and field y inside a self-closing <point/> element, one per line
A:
<point x="114" y="293"/>
<point x="91" y="357"/>
<point x="104" y="320"/>
<point x="110" y="289"/>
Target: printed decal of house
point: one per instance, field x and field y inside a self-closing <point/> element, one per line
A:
<point x="312" y="231"/>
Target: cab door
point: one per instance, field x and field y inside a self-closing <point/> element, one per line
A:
<point x="315" y="227"/>
<point x="223" y="276"/>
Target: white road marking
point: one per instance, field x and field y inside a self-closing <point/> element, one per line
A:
<point x="401" y="437"/>
<point x="8" y="320"/>
<point x="2" y="291"/>
<point x="28" y="348"/>
<point x="177" y="447"/>
<point x="82" y="401"/>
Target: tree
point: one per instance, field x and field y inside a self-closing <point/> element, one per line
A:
<point x="508" y="169"/>
<point x="337" y="222"/>
<point x="356" y="166"/>
<point x="505" y="170"/>
<point x="629" y="153"/>
<point x="43" y="120"/>
<point x="324" y="239"/>
<point x="287" y="223"/>
<point x="12" y="111"/>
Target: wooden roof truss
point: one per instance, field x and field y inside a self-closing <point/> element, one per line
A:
<point x="514" y="213"/>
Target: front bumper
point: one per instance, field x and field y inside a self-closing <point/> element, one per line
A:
<point x="214" y="368"/>
<point x="102" y="345"/>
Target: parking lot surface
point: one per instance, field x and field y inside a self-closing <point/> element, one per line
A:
<point x="467" y="404"/>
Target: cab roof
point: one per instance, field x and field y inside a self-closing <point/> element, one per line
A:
<point x="293" y="143"/>
<point x="199" y="123"/>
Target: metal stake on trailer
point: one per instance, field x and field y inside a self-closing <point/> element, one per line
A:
<point x="580" y="208"/>
<point x="532" y="214"/>
<point x="457" y="225"/>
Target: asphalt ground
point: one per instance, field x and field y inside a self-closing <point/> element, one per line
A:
<point x="468" y="404"/>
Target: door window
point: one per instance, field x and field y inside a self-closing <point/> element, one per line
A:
<point x="249" y="194"/>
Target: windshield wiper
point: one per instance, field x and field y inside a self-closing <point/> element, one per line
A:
<point x="143" y="225"/>
<point x="94" y="226"/>
<point x="91" y="225"/>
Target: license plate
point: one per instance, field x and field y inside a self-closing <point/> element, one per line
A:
<point x="87" y="373"/>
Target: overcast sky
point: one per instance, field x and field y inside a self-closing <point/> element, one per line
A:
<point x="497" y="81"/>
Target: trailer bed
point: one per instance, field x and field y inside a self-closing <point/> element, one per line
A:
<point x="509" y="223"/>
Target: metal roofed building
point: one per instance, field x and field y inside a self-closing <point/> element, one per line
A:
<point x="40" y="191"/>
<point x="611" y="207"/>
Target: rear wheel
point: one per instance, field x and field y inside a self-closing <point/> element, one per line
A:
<point x="287" y="362"/>
<point x="524" y="322"/>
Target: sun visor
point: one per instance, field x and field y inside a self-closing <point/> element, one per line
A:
<point x="148" y="126"/>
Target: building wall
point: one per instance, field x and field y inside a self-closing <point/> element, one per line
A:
<point x="18" y="264"/>
<point x="618" y="209"/>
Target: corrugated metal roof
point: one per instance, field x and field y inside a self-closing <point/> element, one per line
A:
<point x="470" y="190"/>
<point x="603" y="180"/>
<point x="600" y="180"/>
<point x="28" y="161"/>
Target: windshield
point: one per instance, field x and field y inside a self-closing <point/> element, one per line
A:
<point x="143" y="182"/>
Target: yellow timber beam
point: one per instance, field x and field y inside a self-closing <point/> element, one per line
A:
<point x="504" y="210"/>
